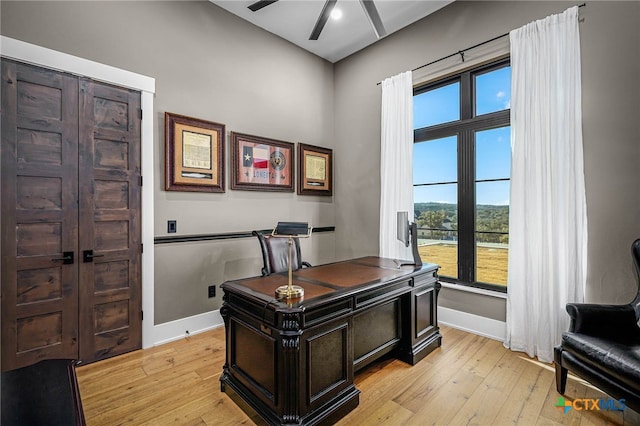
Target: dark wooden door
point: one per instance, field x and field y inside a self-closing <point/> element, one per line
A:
<point x="39" y="215"/>
<point x="110" y="236"/>
<point x="62" y="186"/>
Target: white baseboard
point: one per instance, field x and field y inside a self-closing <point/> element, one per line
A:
<point x="471" y="323"/>
<point x="178" y="329"/>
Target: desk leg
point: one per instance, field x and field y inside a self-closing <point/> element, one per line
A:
<point x="290" y="368"/>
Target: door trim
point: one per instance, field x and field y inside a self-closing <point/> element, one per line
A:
<point x="48" y="58"/>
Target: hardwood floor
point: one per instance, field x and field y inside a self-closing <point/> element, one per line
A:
<point x="470" y="380"/>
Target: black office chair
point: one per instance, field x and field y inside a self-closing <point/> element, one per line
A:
<point x="45" y="393"/>
<point x="275" y="254"/>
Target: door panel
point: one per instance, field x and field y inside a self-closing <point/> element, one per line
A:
<point x="39" y="215"/>
<point x="110" y="302"/>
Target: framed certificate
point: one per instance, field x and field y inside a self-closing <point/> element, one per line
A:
<point x="261" y="164"/>
<point x="315" y="167"/>
<point x="194" y="154"/>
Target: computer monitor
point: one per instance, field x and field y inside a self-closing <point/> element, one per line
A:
<point x="407" y="233"/>
<point x="403" y="228"/>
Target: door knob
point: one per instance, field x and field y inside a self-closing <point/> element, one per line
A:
<point x="87" y="256"/>
<point x="67" y="258"/>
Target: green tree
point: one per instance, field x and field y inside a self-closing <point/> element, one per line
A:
<point x="433" y="220"/>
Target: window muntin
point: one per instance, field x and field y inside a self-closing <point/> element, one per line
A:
<point x="461" y="206"/>
<point x="436" y="197"/>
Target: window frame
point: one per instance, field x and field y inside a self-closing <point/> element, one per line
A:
<point x="465" y="129"/>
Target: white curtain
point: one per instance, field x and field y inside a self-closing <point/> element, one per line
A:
<point x="547" y="218"/>
<point x="396" y="162"/>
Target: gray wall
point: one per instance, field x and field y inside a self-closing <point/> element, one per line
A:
<point x="610" y="43"/>
<point x="211" y="65"/>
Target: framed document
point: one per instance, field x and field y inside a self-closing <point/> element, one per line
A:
<point x="194" y="154"/>
<point x="315" y="166"/>
<point x="261" y="164"/>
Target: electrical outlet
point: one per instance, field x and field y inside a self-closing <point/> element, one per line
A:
<point x="172" y="227"/>
<point x="212" y="291"/>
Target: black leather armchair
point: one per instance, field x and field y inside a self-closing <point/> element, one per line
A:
<point x="602" y="346"/>
<point x="275" y="254"/>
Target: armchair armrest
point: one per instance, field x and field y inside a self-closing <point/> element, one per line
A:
<point x="602" y="320"/>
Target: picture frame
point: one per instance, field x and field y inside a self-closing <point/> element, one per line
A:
<point x="194" y="154"/>
<point x="261" y="164"/>
<point x="315" y="170"/>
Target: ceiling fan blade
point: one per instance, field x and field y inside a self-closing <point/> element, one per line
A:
<point x="260" y="4"/>
<point x="322" y="19"/>
<point x="374" y="17"/>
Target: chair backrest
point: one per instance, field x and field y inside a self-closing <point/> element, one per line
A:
<point x="275" y="254"/>
<point x="635" y="253"/>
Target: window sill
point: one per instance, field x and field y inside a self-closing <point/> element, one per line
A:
<point x="468" y="289"/>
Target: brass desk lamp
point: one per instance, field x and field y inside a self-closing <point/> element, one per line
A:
<point x="291" y="230"/>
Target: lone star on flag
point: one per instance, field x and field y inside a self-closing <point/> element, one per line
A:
<point x="247" y="157"/>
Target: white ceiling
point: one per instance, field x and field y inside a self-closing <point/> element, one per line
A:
<point x="294" y="20"/>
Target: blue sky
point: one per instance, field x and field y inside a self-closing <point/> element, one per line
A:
<point x="435" y="161"/>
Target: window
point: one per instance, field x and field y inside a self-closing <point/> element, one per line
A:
<point x="461" y="172"/>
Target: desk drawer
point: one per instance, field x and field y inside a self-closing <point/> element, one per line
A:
<point x="384" y="292"/>
<point x="427" y="278"/>
<point x="327" y="312"/>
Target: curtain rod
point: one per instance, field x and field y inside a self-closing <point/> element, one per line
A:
<point x="461" y="52"/>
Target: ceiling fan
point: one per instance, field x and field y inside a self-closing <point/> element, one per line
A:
<point x="368" y="6"/>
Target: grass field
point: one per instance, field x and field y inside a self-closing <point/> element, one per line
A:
<point x="491" y="261"/>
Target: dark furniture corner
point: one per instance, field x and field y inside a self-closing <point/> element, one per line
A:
<point x="602" y="346"/>
<point x="275" y="254"/>
<point x="42" y="394"/>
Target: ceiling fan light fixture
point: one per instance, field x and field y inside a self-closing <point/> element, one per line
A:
<point x="254" y="7"/>
<point x="329" y="11"/>
<point x="322" y="19"/>
<point x="374" y="18"/>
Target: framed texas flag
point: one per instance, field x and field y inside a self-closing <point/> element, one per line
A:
<point x="261" y="164"/>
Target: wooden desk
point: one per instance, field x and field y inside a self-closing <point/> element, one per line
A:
<point x="293" y="362"/>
